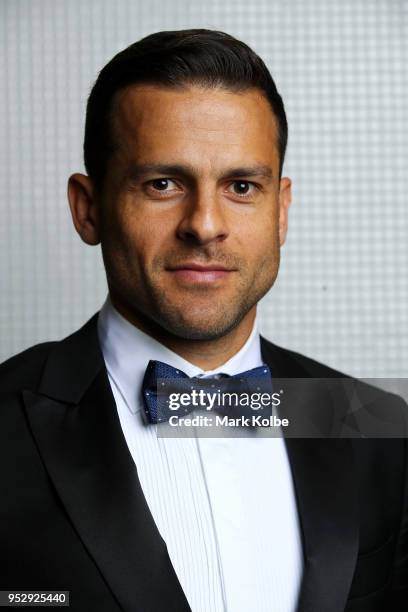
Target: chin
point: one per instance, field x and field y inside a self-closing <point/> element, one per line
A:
<point x="201" y="328"/>
<point x="197" y="333"/>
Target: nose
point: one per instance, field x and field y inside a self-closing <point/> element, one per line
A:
<point x="203" y="220"/>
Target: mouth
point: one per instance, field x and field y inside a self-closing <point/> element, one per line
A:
<point x="191" y="272"/>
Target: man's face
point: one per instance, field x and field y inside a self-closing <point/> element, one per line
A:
<point x="192" y="245"/>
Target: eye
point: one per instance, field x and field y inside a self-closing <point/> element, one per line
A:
<point x="160" y="184"/>
<point x="243" y="188"/>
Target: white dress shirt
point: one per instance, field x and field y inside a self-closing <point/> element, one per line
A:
<point x="224" y="506"/>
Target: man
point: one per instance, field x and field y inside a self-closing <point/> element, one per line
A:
<point x="184" y="145"/>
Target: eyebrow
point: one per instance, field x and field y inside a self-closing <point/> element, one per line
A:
<point x="137" y="171"/>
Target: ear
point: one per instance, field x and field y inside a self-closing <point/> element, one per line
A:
<point x="84" y="209"/>
<point x="285" y="198"/>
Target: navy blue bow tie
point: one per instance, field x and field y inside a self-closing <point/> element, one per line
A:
<point x="162" y="381"/>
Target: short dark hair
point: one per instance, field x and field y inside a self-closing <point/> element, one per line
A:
<point x="175" y="59"/>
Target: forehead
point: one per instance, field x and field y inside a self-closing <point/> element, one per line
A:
<point x="195" y="123"/>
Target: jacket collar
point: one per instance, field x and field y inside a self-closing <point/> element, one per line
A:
<point x="73" y="364"/>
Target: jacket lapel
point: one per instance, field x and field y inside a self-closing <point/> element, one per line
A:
<point x="325" y="487"/>
<point x="75" y="423"/>
<point x="323" y="475"/>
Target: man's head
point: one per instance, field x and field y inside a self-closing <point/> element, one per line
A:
<point x="184" y="145"/>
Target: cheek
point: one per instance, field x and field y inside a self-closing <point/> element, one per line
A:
<point x="260" y="240"/>
<point x="143" y="245"/>
<point x="143" y="229"/>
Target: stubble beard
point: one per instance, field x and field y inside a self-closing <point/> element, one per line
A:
<point x="179" y="319"/>
<point x="155" y="309"/>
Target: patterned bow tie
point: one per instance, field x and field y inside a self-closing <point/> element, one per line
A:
<point x="162" y="382"/>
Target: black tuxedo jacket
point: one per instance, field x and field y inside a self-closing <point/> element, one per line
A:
<point x="74" y="517"/>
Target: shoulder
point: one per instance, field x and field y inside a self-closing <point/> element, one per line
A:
<point x="292" y="364"/>
<point x="24" y="369"/>
<point x="361" y="408"/>
<point x="77" y="353"/>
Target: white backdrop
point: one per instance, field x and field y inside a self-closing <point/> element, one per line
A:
<point x="341" y="67"/>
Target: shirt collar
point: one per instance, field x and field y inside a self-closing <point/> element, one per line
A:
<point x="127" y="351"/>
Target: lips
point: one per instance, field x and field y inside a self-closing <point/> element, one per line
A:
<point x="194" y="272"/>
<point x="199" y="267"/>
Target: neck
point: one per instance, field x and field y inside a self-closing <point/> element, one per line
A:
<point x="206" y="354"/>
